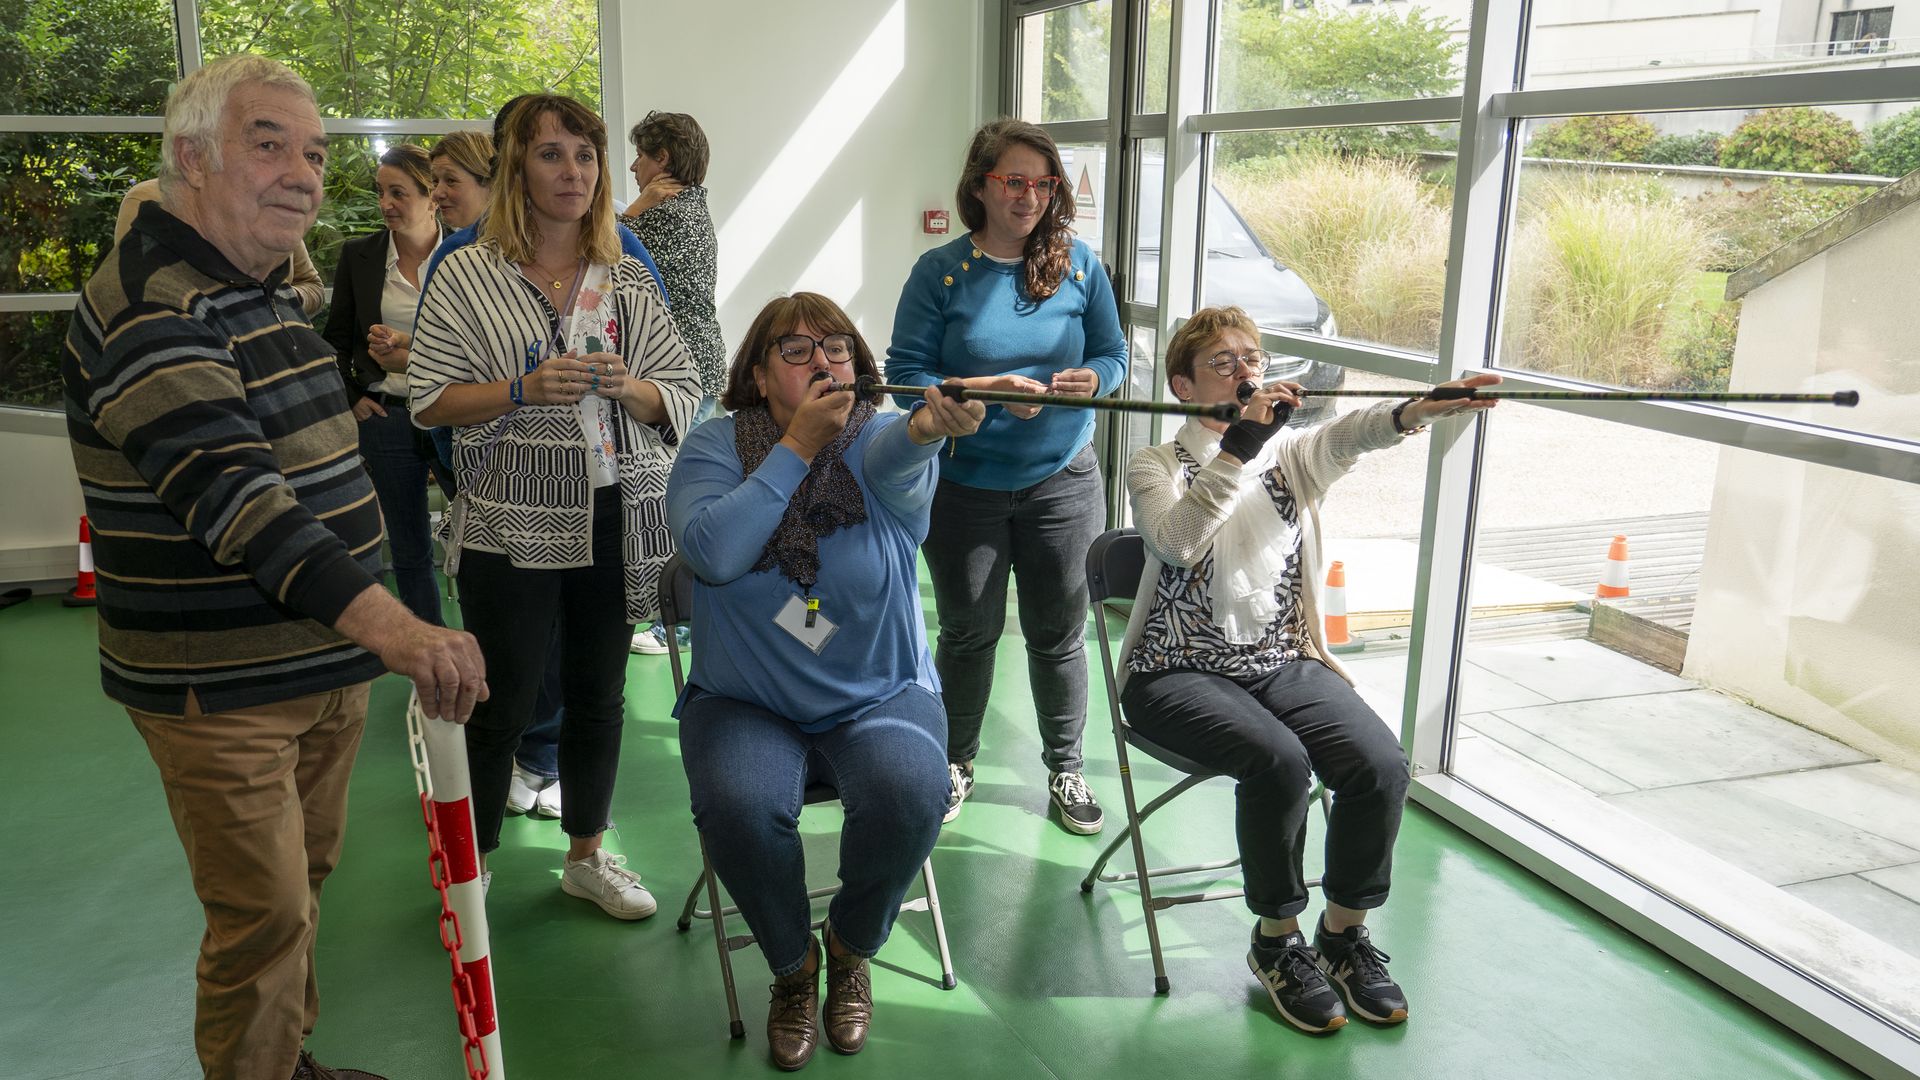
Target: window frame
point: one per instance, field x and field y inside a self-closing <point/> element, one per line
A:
<point x="1490" y="109"/>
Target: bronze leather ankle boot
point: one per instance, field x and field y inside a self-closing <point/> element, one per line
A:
<point x="849" y="1009"/>
<point x="791" y="1031"/>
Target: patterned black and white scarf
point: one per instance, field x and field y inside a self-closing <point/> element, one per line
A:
<point x="829" y="498"/>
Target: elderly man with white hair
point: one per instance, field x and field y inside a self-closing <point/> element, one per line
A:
<point x="237" y="541"/>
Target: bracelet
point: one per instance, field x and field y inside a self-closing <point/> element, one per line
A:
<point x="1398" y="427"/>
<point x="515" y="395"/>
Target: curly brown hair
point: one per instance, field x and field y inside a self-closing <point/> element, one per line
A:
<point x="1050" y="244"/>
<point x="778" y="319"/>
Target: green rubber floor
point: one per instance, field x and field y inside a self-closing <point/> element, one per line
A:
<point x="1506" y="976"/>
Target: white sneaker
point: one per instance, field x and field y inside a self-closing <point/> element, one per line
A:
<point x="546" y="803"/>
<point x="604" y="879"/>
<point x="523" y="788"/>
<point x="649" y="642"/>
<point x="486" y="881"/>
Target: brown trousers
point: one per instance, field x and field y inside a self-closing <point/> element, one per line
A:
<point x="259" y="798"/>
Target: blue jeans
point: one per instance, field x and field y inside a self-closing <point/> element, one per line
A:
<point x="747" y="770"/>
<point x="400" y="458"/>
<point x="1041" y="534"/>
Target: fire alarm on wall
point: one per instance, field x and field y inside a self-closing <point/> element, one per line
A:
<point x="934" y="222"/>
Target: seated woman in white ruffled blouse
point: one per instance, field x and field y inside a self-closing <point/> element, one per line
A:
<point x="1224" y="661"/>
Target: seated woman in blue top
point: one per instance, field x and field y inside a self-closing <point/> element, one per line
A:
<point x="803" y="494"/>
<point x="1016" y="304"/>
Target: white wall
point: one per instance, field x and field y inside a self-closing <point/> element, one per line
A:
<point x="832" y="127"/>
<point x="39" y="501"/>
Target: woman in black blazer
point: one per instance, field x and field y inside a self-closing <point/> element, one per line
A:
<point x="376" y="293"/>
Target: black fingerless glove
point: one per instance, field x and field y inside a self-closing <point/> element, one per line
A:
<point x="1245" y="438"/>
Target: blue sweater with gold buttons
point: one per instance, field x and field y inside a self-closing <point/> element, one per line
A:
<point x="962" y="314"/>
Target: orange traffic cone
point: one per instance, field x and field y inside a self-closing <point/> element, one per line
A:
<point x="82" y="595"/>
<point x="1339" y="638"/>
<point x="1613" y="580"/>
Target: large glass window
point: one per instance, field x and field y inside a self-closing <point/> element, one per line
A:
<point x="1276" y="56"/>
<point x="1571" y="43"/>
<point x="459" y="60"/>
<point x="1730" y="724"/>
<point x="105" y="67"/>
<point x="1064" y="56"/>
<point x="86" y="57"/>
<point x="1338" y="231"/>
<point x="1720" y="251"/>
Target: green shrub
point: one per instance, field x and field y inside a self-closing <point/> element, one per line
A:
<point x="1743" y="225"/>
<point x="1699" y="149"/>
<point x="1700" y="344"/>
<point x="1367" y="234"/>
<point x="1599" y="269"/>
<point x="1792" y="140"/>
<point x="1893" y="145"/>
<point x="1594" y="138"/>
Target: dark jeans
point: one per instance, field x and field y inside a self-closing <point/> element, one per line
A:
<point x="539" y="751"/>
<point x="515" y="615"/>
<point x="1042" y="534"/>
<point x="1271" y="734"/>
<point x="400" y="457"/>
<point x="747" y="770"/>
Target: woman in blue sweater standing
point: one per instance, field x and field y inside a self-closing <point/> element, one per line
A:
<point x="800" y="514"/>
<point x="1016" y="304"/>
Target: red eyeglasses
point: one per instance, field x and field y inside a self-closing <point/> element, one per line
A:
<point x="1016" y="185"/>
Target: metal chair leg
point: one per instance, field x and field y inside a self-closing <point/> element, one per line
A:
<point x="947" y="981"/>
<point x="693" y="901"/>
<point x="735" y="1027"/>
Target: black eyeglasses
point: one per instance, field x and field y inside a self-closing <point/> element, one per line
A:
<point x="798" y="348"/>
<point x="1226" y="361"/>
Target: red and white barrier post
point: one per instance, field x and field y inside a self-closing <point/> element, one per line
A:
<point x="439" y="750"/>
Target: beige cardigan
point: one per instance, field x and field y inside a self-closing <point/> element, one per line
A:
<point x="1178" y="522"/>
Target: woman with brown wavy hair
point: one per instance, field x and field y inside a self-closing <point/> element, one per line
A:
<point x="1016" y="304"/>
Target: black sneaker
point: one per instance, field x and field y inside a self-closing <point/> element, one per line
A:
<point x="1079" y="810"/>
<point x="1290" y="970"/>
<point x="1360" y="971"/>
<point x="959" y="786"/>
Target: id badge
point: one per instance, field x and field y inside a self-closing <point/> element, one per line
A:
<point x="793" y="619"/>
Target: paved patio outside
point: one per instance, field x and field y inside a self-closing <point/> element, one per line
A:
<point x="1789" y="838"/>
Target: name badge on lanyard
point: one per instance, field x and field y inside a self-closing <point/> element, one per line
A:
<point x="801" y="617"/>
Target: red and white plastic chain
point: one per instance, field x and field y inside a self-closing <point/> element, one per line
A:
<point x="464" y="1000"/>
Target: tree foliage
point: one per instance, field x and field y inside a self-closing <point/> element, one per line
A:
<point x="1273" y="56"/>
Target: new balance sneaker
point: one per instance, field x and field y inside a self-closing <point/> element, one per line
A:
<point x="523" y="788"/>
<point x="603" y="878"/>
<point x="959" y="786"/>
<point x="1079" y="810"/>
<point x="546" y="804"/>
<point x="1290" y="970"/>
<point x="1352" y="963"/>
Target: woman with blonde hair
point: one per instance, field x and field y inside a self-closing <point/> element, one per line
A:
<point x="552" y="353"/>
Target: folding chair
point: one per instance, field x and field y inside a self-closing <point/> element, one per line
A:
<point x="676" y="608"/>
<point x="1114" y="564"/>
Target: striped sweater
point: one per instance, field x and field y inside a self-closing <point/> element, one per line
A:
<point x="233" y="520"/>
